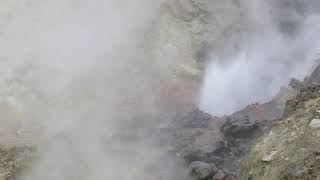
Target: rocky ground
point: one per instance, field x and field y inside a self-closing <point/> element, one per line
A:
<point x="291" y="149"/>
<point x="271" y="158"/>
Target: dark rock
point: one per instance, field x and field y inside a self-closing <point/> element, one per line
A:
<point x="305" y="94"/>
<point x="238" y="127"/>
<point x="196" y="119"/>
<point x="221" y="148"/>
<point x="194" y="156"/>
<point x="202" y="171"/>
<point x="295" y="83"/>
<point x="217" y="160"/>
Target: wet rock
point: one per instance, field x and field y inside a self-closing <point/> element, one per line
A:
<point x="315" y="124"/>
<point x="201" y="170"/>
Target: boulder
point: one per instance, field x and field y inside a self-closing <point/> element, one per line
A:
<point x="238" y="126"/>
<point x="315" y="124"/>
<point x="202" y="171"/>
<point x="295" y="83"/>
<point x="299" y="170"/>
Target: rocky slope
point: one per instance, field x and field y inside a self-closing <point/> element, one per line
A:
<point x="291" y="149"/>
<point x="235" y="135"/>
<point x="223" y="140"/>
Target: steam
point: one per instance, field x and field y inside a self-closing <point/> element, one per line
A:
<point x="78" y="84"/>
<point x="276" y="49"/>
<point x="85" y="81"/>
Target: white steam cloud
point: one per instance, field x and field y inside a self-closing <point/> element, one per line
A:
<point x="266" y="59"/>
<point x="84" y="79"/>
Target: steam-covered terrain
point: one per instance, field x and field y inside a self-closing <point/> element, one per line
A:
<point x="158" y="89"/>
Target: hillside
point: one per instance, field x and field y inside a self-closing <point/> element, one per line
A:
<point x="291" y="149"/>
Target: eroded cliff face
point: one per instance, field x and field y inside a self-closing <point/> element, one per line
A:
<point x="185" y="28"/>
<point x="182" y="38"/>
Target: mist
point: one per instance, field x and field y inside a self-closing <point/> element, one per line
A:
<point x="280" y="44"/>
<point x="78" y="81"/>
<point x="79" y="78"/>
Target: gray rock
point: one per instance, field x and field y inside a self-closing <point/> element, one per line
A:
<point x="296" y="84"/>
<point x="202" y="171"/>
<point x="299" y="170"/>
<point x="315" y="124"/>
<point x="239" y="126"/>
<point x="269" y="157"/>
